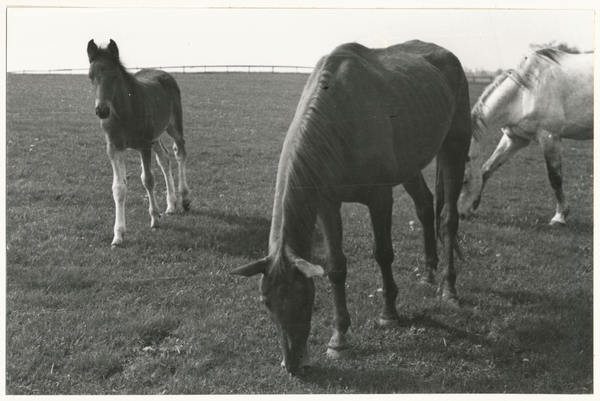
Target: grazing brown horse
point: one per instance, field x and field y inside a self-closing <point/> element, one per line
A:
<point x="134" y="111"/>
<point x="548" y="97"/>
<point x="368" y="120"/>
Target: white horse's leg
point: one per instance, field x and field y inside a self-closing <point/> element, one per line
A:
<point x="162" y="157"/>
<point x="148" y="181"/>
<point x="181" y="156"/>
<point x="552" y="146"/>
<point x="119" y="188"/>
<point x="507" y="147"/>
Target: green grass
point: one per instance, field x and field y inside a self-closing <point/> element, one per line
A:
<point x="162" y="314"/>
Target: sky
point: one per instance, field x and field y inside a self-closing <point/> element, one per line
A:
<point x="42" y="38"/>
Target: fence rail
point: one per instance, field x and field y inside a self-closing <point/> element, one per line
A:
<point x="195" y="69"/>
<point x="189" y="69"/>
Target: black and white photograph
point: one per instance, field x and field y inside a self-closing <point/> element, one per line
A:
<point x="298" y="198"/>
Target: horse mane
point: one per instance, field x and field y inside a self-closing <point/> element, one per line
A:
<point x="477" y="111"/>
<point x="551" y="54"/>
<point x="319" y="144"/>
<point x="525" y="74"/>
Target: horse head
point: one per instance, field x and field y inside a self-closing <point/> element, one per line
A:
<point x="104" y="74"/>
<point x="287" y="290"/>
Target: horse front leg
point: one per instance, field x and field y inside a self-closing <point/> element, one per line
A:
<point x="338" y="346"/>
<point x="380" y="209"/>
<point x="423" y="200"/>
<point x="162" y="157"/>
<point x="507" y="147"/>
<point x="149" y="183"/>
<point x="552" y="147"/>
<point x="119" y="189"/>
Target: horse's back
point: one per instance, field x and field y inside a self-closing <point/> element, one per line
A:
<point x="397" y="104"/>
<point x="162" y="100"/>
<point x="151" y="77"/>
<point x="564" y="98"/>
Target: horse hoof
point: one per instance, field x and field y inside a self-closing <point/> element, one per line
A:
<point x="388" y="323"/>
<point x="186" y="204"/>
<point x="344" y="353"/>
<point x="557" y="223"/>
<point x="451" y="301"/>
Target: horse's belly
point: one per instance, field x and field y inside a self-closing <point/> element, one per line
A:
<point x="577" y="132"/>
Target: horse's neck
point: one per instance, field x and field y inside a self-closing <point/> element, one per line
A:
<point x="503" y="109"/>
<point x="294" y="214"/>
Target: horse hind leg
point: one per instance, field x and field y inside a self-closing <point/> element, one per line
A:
<point x="181" y="157"/>
<point x="380" y="209"/>
<point x="551" y="146"/>
<point x="162" y="157"/>
<point x="423" y="200"/>
<point x="450" y="175"/>
<point x="149" y="183"/>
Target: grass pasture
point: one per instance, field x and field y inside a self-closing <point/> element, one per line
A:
<point x="162" y="315"/>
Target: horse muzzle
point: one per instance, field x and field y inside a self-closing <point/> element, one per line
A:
<point x="295" y="362"/>
<point x="103" y="112"/>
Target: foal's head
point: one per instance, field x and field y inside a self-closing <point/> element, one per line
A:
<point x="105" y="69"/>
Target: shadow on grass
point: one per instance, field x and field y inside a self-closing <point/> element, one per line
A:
<point x="232" y="234"/>
<point x="536" y="222"/>
<point x="365" y="381"/>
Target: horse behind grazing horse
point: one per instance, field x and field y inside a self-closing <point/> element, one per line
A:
<point x="550" y="96"/>
<point x="134" y="111"/>
<point x="367" y="120"/>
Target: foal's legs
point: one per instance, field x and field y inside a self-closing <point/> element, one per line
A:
<point x="162" y="157"/>
<point x="423" y="200"/>
<point x="148" y="181"/>
<point x="332" y="227"/>
<point x="119" y="188"/>
<point x="380" y="208"/>
<point x="181" y="156"/>
<point x="552" y="146"/>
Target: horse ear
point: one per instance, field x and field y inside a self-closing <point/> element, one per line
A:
<point x="309" y="269"/>
<point x="113" y="50"/>
<point x="92" y="49"/>
<point x="305" y="267"/>
<point x="251" y="269"/>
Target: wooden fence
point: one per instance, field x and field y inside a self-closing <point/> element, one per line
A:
<point x="205" y="69"/>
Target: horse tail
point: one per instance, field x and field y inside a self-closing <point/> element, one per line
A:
<point x="171" y="87"/>
<point x="177" y="109"/>
<point x="439" y="208"/>
<point x="439" y="199"/>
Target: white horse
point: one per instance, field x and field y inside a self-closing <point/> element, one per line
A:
<point x="550" y="96"/>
